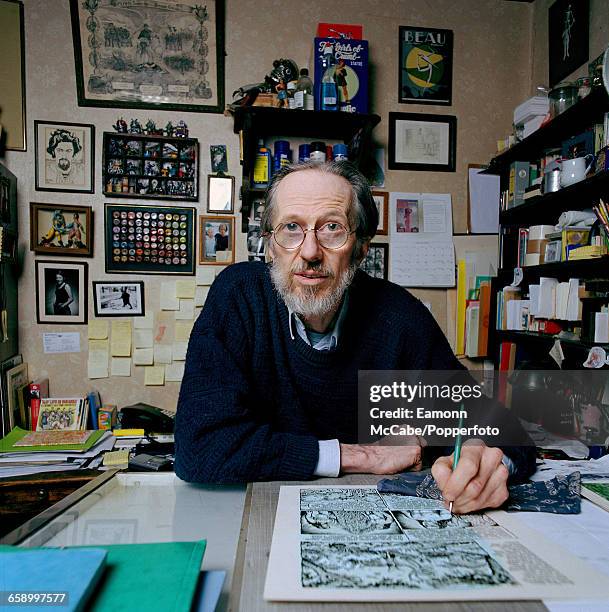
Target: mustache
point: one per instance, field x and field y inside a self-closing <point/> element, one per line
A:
<point x="312" y="266"/>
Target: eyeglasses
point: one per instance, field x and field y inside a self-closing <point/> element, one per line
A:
<point x="330" y="235"/>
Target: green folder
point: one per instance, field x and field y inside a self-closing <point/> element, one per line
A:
<point x="7" y="443"/>
<point x="160" y="576"/>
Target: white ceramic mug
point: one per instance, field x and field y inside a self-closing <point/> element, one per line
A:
<point x="574" y="170"/>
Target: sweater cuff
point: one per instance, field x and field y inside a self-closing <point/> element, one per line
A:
<point x="300" y="458"/>
<point x="328" y="465"/>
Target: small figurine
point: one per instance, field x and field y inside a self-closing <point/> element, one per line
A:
<point x="135" y="127"/>
<point x="120" y="126"/>
<point x="169" y="129"/>
<point x="150" y="127"/>
<point x="282" y="94"/>
<point x="182" y="129"/>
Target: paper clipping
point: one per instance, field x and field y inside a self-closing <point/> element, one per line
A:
<point x="352" y="543"/>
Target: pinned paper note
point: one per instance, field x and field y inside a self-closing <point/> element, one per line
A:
<point x="162" y="353"/>
<point x="185" y="288"/>
<point x="182" y="330"/>
<point x="120" y="342"/>
<point x="178" y="350"/>
<point x="174" y="372"/>
<point x="120" y="366"/>
<point x="159" y="332"/>
<point x="66" y="342"/>
<point x="142" y="338"/>
<point x="146" y="322"/>
<point x="98" y="329"/>
<point x="205" y="275"/>
<point x="154" y="375"/>
<point x="97" y="362"/>
<point x="143" y="356"/>
<point x="186" y="311"/>
<point x="201" y="295"/>
<point x="169" y="299"/>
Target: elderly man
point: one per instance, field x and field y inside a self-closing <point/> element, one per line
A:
<point x="270" y="385"/>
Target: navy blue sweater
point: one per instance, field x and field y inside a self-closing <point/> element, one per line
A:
<point x="254" y="401"/>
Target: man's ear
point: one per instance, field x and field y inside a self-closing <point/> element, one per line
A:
<point x="363" y="251"/>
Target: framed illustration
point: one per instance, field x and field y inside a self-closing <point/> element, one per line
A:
<point x="568" y="29"/>
<point x="376" y="263"/>
<point x="422" y="142"/>
<point x="59" y="229"/>
<point x="220" y="193"/>
<point x="16" y="378"/>
<point x="159" y="54"/>
<point x="149" y="239"/>
<point x="425" y="66"/>
<point x="381" y="199"/>
<point x="216" y="240"/>
<point x="64" y="157"/>
<point x="151" y="167"/>
<point x="61" y="292"/>
<point x="114" y="299"/>
<point x="12" y="75"/>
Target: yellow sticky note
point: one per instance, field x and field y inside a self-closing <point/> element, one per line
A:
<point x="119" y="457"/>
<point x="120" y="366"/>
<point x="154" y="375"/>
<point x="146" y="322"/>
<point x="162" y="353"/>
<point x="201" y="295"/>
<point x="97" y="363"/>
<point x="120" y="342"/>
<point x="179" y="349"/>
<point x="142" y="338"/>
<point x="98" y="345"/>
<point x="174" y="372"/>
<point x="143" y="357"/>
<point x="185" y="288"/>
<point x="182" y="330"/>
<point x="205" y="275"/>
<point x="169" y="299"/>
<point x="98" y="329"/>
<point x="187" y="310"/>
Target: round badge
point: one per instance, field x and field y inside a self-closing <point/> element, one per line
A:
<point x="161" y="216"/>
<point x="146" y="215"/>
<point x="138" y="214"/>
<point x="168" y="217"/>
<point x="176" y="260"/>
<point x="183" y="217"/>
<point x="153" y="215"/>
<point x="124" y="215"/>
<point x="183" y="260"/>
<point x="131" y="215"/>
<point x="116" y="214"/>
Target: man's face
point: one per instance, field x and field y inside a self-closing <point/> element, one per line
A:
<point x="210" y="232"/>
<point x="64" y="152"/>
<point x="312" y="199"/>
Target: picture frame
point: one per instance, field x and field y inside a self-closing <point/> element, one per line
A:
<point x="12" y="48"/>
<point x="119" y="299"/>
<point x="381" y="199"/>
<point x="425" y="63"/>
<point x="214" y="239"/>
<point x="51" y="296"/>
<point x="64" y="157"/>
<point x="61" y="229"/>
<point x="423" y="142"/>
<point x="154" y="239"/>
<point x="162" y="55"/>
<point x="568" y="38"/>
<point x="220" y="194"/>
<point x="16" y="377"/>
<point x="376" y="262"/>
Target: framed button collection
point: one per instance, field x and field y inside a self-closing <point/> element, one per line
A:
<point x="149" y="239"/>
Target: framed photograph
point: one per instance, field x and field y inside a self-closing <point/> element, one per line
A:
<point x="381" y="199"/>
<point x="12" y="50"/>
<point x="407" y="216"/>
<point x="376" y="263"/>
<point x="568" y="30"/>
<point x="220" y="193"/>
<point x="149" y="239"/>
<point x="161" y="54"/>
<point x="216" y="240"/>
<point x="425" y="65"/>
<point x="219" y="158"/>
<point x="422" y="142"/>
<point x="59" y="229"/>
<point x="61" y="292"/>
<point x="16" y="378"/>
<point x="65" y="156"/>
<point x="113" y="299"/>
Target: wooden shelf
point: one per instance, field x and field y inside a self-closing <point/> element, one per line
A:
<point x="578" y="268"/>
<point x="546" y="339"/>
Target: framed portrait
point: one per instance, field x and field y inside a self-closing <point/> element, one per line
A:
<point x="422" y="142"/>
<point x="376" y="263"/>
<point x="216" y="240"/>
<point x="159" y="54"/>
<point x="149" y="239"/>
<point x="61" y="292"/>
<point x="65" y="156"/>
<point x="220" y="194"/>
<point x="59" y="229"/>
<point x="12" y="76"/>
<point x="568" y="38"/>
<point x="381" y="199"/>
<point x="256" y="243"/>
<point x="425" y="65"/>
<point x="114" y="299"/>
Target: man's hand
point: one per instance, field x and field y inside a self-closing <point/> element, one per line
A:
<point x="375" y="459"/>
<point x="479" y="481"/>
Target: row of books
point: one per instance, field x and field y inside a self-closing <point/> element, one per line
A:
<point x="474" y="307"/>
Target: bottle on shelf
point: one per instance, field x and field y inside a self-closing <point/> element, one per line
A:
<point x="303" y="96"/>
<point x="262" y="165"/>
<point x="291" y="94"/>
<point x="328" y="90"/>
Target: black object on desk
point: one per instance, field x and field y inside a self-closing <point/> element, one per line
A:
<point x="150" y="463"/>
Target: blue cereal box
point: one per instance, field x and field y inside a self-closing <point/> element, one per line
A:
<point x="341" y="75"/>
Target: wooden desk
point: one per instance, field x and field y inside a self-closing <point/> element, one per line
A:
<point x="254" y="548"/>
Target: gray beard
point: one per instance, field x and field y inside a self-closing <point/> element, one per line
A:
<point x="306" y="302"/>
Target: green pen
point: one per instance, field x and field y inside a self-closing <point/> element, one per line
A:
<point x="457" y="451"/>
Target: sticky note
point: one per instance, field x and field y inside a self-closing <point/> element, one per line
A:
<point x="120" y="342"/>
<point x="205" y="275"/>
<point x="146" y="322"/>
<point x="119" y="457"/>
<point x="201" y="295"/>
<point x="165" y="316"/>
<point x="185" y="288"/>
<point x="186" y="311"/>
<point x="169" y="299"/>
<point x="178" y="350"/>
<point x="182" y="330"/>
<point x="142" y="338"/>
<point x="98" y="329"/>
<point x="97" y="363"/>
<point x="159" y="332"/>
<point x="143" y="356"/>
<point x="120" y="366"/>
<point x="154" y="375"/>
<point x="162" y="353"/>
<point x="98" y="345"/>
<point x="174" y="372"/>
